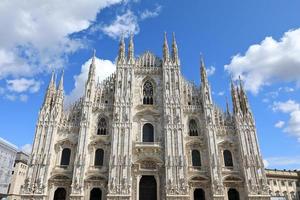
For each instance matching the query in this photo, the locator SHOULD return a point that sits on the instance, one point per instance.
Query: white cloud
(23, 85)
(104, 68)
(268, 62)
(123, 24)
(279, 124)
(221, 93)
(10, 97)
(293, 109)
(210, 70)
(36, 34)
(286, 107)
(150, 14)
(23, 97)
(283, 161)
(26, 148)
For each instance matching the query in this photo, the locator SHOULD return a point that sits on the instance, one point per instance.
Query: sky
(254, 39)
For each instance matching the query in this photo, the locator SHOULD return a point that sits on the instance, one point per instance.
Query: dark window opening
(196, 158)
(148, 93)
(233, 194)
(99, 154)
(102, 127)
(148, 188)
(96, 194)
(228, 158)
(193, 128)
(199, 194)
(65, 156)
(148, 133)
(60, 194)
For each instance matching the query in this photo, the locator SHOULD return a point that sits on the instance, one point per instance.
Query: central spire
(92, 70)
(174, 50)
(131, 49)
(203, 70)
(121, 57)
(166, 49)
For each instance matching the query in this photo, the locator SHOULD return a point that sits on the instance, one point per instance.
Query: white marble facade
(145, 133)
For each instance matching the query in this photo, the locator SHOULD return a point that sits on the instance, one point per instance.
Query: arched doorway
(233, 194)
(60, 194)
(199, 194)
(147, 189)
(96, 194)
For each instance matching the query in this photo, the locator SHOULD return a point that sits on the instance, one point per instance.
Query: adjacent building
(8, 153)
(18, 176)
(283, 184)
(145, 133)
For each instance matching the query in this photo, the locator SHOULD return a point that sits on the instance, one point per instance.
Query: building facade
(18, 176)
(7, 158)
(283, 184)
(145, 133)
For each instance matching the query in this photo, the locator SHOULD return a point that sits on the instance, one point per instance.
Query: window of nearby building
(148, 133)
(102, 127)
(196, 158)
(99, 154)
(148, 93)
(65, 156)
(193, 128)
(228, 158)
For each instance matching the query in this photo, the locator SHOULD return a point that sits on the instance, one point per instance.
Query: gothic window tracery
(148, 93)
(193, 128)
(65, 157)
(99, 154)
(228, 158)
(196, 158)
(102, 127)
(148, 133)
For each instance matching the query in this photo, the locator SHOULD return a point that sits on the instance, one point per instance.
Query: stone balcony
(145, 150)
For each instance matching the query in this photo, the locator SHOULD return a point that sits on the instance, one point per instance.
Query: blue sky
(258, 40)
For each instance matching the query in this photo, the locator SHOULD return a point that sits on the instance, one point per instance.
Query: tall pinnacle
(203, 70)
(174, 50)
(121, 57)
(131, 49)
(61, 82)
(92, 70)
(166, 49)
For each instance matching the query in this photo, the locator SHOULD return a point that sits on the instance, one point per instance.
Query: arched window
(148, 133)
(199, 194)
(193, 128)
(148, 93)
(60, 194)
(65, 156)
(233, 194)
(228, 158)
(196, 158)
(96, 194)
(102, 127)
(99, 154)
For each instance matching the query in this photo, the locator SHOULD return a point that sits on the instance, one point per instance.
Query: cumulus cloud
(268, 62)
(293, 109)
(210, 70)
(104, 68)
(150, 14)
(279, 124)
(123, 24)
(26, 148)
(23, 85)
(36, 34)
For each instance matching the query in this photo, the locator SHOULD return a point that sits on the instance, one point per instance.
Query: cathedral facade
(145, 133)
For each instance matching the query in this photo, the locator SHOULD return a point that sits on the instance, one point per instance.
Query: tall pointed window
(148, 93)
(102, 127)
(196, 158)
(99, 154)
(228, 158)
(193, 128)
(65, 157)
(148, 133)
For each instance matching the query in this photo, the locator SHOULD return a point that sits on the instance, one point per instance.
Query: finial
(165, 48)
(174, 50)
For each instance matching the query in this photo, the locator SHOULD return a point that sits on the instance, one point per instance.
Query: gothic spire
(174, 50)
(166, 49)
(50, 90)
(243, 98)
(203, 71)
(92, 70)
(121, 57)
(61, 82)
(131, 49)
(234, 97)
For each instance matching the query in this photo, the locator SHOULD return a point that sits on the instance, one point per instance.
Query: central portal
(148, 188)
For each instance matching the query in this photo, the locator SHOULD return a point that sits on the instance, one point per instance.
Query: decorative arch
(148, 92)
(193, 127)
(102, 126)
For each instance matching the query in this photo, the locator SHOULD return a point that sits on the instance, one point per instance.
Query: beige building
(284, 184)
(18, 176)
(145, 133)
